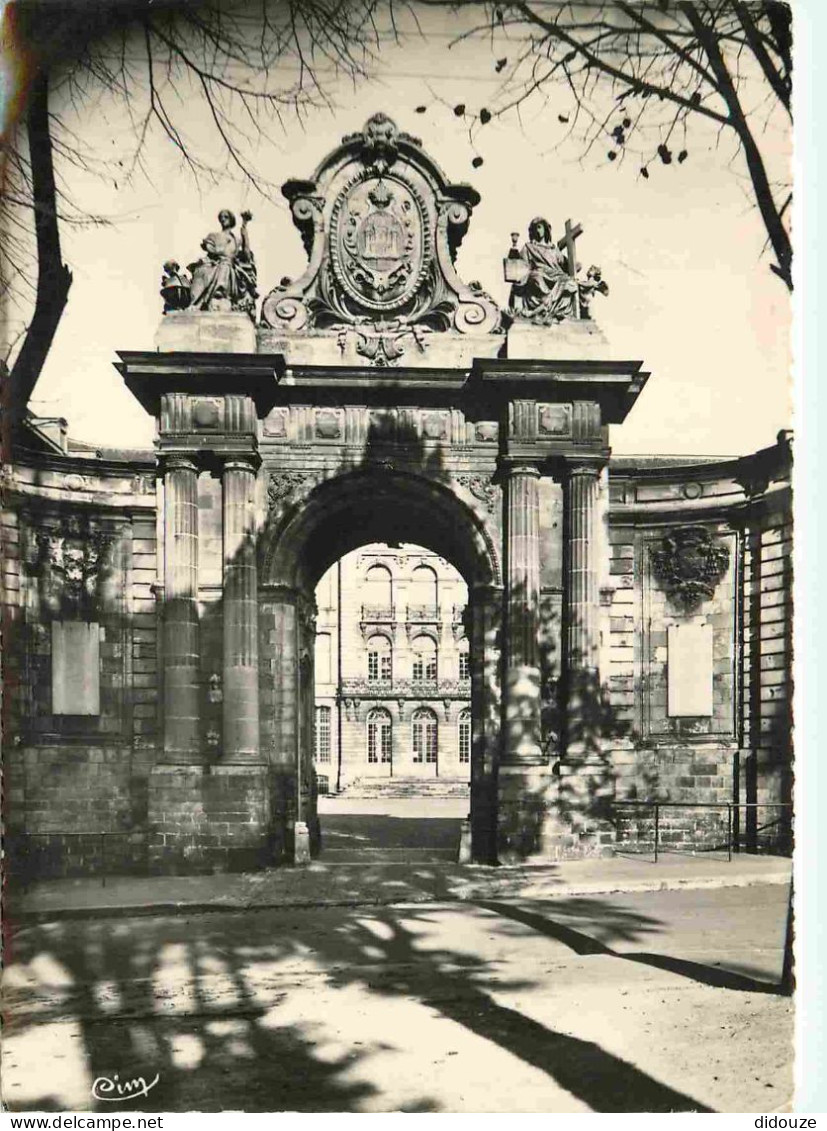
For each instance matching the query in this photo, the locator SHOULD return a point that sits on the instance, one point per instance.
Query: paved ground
(661, 1001)
(389, 851)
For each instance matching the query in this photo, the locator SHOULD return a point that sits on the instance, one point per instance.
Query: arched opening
(424, 659)
(379, 659)
(379, 745)
(413, 624)
(379, 588)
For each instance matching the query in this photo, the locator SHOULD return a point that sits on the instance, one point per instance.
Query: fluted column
(582, 609)
(181, 653)
(522, 672)
(241, 701)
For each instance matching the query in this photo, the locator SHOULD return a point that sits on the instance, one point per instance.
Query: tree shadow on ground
(583, 944)
(208, 1003)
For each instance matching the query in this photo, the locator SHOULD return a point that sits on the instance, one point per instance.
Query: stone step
(388, 855)
(406, 787)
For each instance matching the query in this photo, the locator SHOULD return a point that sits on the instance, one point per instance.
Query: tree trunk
(53, 276)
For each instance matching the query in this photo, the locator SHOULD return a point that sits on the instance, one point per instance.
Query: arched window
(379, 735)
(464, 737)
(379, 587)
(424, 587)
(380, 659)
(424, 658)
(323, 734)
(464, 663)
(424, 735)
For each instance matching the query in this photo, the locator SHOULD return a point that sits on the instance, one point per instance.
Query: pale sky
(691, 295)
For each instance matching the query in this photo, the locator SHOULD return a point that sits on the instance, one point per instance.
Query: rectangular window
(424, 667)
(424, 740)
(75, 668)
(464, 665)
(386, 743)
(323, 715)
(373, 666)
(385, 666)
(465, 741)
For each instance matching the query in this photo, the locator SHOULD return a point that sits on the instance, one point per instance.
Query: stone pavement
(375, 883)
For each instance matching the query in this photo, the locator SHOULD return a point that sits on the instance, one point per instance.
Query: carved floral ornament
(482, 489)
(689, 563)
(287, 487)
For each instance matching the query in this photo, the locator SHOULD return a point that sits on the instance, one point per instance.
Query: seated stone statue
(225, 278)
(548, 293)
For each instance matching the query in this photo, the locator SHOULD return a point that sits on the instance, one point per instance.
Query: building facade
(627, 622)
(392, 670)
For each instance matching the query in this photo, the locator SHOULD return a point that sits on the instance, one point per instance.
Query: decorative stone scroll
(689, 563)
(381, 227)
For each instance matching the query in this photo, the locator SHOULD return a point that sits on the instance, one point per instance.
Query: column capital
(240, 461)
(179, 461)
(512, 467)
(584, 466)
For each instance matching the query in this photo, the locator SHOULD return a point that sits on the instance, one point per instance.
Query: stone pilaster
(522, 672)
(241, 676)
(182, 740)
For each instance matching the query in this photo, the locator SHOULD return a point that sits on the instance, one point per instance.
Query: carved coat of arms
(378, 242)
(689, 563)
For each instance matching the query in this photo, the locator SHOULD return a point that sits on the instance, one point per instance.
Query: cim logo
(111, 1089)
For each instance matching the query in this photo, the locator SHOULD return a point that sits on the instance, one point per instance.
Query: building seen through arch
(393, 683)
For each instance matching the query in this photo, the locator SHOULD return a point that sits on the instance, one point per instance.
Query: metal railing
(409, 688)
(731, 807)
(378, 613)
(424, 613)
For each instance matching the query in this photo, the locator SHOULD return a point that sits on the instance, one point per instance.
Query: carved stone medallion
(379, 241)
(689, 563)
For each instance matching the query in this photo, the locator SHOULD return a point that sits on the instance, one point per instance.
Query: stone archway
(370, 504)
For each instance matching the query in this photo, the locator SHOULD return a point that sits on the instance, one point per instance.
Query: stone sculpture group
(377, 255)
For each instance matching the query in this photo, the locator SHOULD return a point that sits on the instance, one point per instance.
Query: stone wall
(80, 543)
(79, 548)
(209, 819)
(740, 752)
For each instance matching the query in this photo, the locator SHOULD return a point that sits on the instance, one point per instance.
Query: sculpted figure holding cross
(545, 288)
(549, 292)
